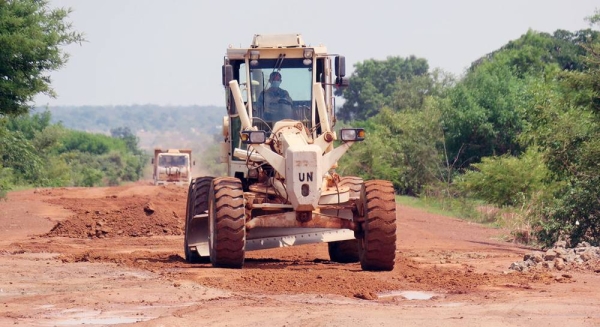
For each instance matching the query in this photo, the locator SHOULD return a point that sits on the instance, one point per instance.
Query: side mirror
(342, 81)
(227, 72)
(340, 66)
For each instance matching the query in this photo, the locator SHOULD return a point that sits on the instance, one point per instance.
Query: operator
(275, 102)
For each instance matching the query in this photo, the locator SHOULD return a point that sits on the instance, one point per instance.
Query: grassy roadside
(451, 208)
(510, 219)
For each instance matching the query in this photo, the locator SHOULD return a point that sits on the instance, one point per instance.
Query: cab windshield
(173, 160)
(280, 90)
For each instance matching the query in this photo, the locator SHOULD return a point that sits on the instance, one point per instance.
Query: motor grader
(281, 187)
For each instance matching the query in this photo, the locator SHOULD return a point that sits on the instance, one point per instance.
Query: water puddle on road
(409, 295)
(71, 317)
(99, 321)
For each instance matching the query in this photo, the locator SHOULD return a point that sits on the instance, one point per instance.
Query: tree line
(34, 151)
(520, 130)
(146, 117)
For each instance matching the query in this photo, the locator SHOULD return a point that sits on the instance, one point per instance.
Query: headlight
(352, 134)
(253, 137)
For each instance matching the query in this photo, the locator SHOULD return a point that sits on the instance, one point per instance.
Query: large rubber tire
(347, 251)
(343, 251)
(377, 246)
(227, 223)
(354, 183)
(197, 203)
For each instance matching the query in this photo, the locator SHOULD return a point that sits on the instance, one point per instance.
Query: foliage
(569, 133)
(19, 154)
(6, 183)
(574, 216)
(506, 180)
(479, 114)
(125, 134)
(31, 37)
(533, 52)
(404, 142)
(483, 114)
(401, 147)
(369, 159)
(561, 115)
(570, 48)
(525, 119)
(34, 152)
(28, 125)
(97, 144)
(374, 83)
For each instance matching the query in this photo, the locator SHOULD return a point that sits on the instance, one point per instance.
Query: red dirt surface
(114, 256)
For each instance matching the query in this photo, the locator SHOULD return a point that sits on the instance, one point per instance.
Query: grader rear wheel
(347, 251)
(197, 204)
(227, 225)
(377, 246)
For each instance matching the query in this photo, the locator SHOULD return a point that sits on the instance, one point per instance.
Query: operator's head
(275, 79)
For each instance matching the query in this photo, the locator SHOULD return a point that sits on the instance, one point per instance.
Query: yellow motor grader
(279, 145)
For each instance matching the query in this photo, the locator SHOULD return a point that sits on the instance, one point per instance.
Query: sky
(171, 52)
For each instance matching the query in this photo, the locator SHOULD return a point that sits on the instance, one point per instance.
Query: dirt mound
(123, 215)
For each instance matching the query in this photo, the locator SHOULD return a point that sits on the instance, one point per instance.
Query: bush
(575, 215)
(506, 180)
(401, 147)
(6, 181)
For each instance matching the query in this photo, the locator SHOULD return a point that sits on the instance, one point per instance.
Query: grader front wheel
(347, 251)
(197, 204)
(377, 245)
(227, 229)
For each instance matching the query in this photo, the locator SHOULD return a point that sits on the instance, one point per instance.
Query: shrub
(506, 180)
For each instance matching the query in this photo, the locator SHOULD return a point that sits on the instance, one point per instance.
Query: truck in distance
(172, 166)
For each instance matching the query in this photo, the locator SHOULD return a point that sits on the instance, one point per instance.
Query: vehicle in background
(172, 166)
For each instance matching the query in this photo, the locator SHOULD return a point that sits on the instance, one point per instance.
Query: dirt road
(114, 256)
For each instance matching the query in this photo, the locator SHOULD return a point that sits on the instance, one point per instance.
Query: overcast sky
(171, 52)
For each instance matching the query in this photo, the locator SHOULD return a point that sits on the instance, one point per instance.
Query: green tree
(31, 37)
(34, 152)
(487, 111)
(506, 180)
(29, 125)
(534, 51)
(130, 139)
(563, 115)
(19, 154)
(480, 115)
(402, 147)
(97, 144)
(374, 84)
